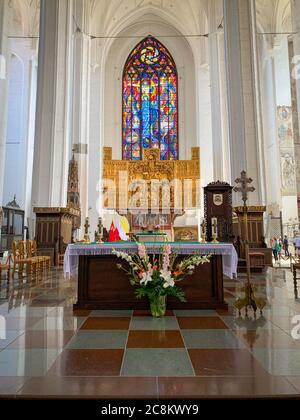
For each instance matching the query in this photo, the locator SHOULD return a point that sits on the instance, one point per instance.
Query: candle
(214, 226)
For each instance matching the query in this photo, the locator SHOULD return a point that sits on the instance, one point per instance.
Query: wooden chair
(43, 260)
(20, 259)
(257, 260)
(61, 259)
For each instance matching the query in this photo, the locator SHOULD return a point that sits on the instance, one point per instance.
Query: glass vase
(158, 306)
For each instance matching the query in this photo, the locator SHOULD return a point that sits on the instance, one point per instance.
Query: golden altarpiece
(178, 179)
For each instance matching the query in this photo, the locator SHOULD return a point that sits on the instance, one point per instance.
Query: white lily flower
(146, 278)
(169, 281)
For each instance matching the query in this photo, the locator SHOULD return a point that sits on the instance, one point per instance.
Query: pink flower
(166, 257)
(150, 269)
(167, 249)
(142, 251)
(166, 263)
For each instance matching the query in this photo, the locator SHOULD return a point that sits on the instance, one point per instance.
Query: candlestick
(203, 232)
(214, 228)
(86, 231)
(100, 231)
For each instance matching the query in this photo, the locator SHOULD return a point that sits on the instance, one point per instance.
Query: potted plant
(158, 277)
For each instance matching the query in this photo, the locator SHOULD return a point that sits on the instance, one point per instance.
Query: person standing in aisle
(286, 246)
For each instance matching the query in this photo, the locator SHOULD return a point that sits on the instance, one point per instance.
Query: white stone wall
(21, 114)
(229, 87)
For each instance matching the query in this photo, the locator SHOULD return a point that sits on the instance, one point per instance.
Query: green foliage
(151, 292)
(154, 276)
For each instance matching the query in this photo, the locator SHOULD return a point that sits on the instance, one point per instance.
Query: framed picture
(138, 220)
(164, 220)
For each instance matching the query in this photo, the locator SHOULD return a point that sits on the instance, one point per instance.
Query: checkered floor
(49, 350)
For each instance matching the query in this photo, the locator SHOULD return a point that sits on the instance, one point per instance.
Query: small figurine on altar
(86, 231)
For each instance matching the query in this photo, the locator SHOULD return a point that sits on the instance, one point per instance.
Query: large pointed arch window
(150, 101)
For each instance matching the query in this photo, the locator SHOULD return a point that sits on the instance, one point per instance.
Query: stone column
(295, 12)
(5, 17)
(240, 56)
(51, 151)
(269, 122)
(221, 156)
(81, 103)
(95, 144)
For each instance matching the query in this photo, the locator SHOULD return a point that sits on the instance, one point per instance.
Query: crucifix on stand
(86, 231)
(249, 301)
(100, 231)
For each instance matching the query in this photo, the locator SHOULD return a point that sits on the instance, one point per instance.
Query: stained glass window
(150, 102)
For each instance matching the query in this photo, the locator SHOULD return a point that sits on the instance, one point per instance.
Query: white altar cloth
(228, 252)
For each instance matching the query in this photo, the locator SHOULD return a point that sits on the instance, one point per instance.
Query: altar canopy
(227, 251)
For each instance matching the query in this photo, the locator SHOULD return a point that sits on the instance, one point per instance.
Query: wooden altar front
(102, 286)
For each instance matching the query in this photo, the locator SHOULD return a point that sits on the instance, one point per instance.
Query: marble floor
(47, 350)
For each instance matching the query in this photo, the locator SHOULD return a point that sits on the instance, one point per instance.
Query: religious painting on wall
(139, 220)
(285, 126)
(288, 173)
(150, 102)
(287, 152)
(142, 220)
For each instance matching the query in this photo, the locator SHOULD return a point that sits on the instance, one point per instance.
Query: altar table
(102, 286)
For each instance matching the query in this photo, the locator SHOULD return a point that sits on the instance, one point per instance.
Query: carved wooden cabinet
(218, 204)
(255, 224)
(54, 226)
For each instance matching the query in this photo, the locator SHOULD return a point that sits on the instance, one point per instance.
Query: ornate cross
(100, 225)
(249, 300)
(86, 226)
(244, 188)
(215, 225)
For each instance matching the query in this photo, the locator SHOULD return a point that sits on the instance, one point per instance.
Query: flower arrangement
(157, 277)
